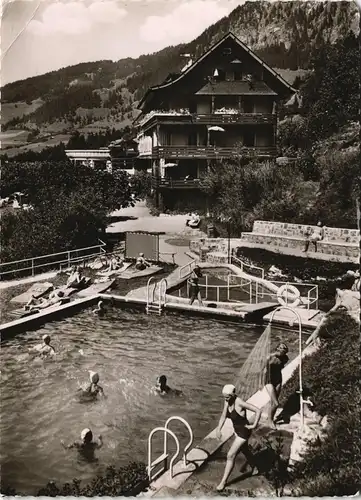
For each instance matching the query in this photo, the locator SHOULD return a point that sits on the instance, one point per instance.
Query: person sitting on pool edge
(45, 349)
(75, 279)
(163, 389)
(195, 292)
(85, 445)
(116, 262)
(100, 309)
(141, 263)
(91, 391)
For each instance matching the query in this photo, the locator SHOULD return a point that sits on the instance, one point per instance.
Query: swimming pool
(128, 349)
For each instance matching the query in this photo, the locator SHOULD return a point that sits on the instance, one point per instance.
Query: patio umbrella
(215, 128)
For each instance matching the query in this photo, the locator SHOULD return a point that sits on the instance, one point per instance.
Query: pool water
(129, 349)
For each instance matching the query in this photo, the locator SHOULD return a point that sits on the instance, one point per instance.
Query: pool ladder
(163, 458)
(156, 306)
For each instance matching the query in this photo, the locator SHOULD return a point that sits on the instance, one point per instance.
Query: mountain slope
(104, 93)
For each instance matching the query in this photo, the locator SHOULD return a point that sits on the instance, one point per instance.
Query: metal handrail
(187, 447)
(162, 293)
(244, 264)
(189, 264)
(68, 259)
(151, 464)
(148, 290)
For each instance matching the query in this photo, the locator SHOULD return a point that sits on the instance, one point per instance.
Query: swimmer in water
(162, 388)
(45, 349)
(86, 446)
(92, 390)
(100, 310)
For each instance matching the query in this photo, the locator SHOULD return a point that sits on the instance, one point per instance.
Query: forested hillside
(104, 93)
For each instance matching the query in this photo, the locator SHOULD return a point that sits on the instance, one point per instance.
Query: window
(238, 74)
(168, 138)
(248, 138)
(248, 106)
(192, 139)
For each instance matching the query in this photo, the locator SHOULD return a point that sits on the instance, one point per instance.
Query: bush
(333, 467)
(125, 481)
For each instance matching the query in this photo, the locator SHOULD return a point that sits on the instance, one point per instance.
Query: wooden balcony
(210, 152)
(167, 183)
(208, 119)
(235, 119)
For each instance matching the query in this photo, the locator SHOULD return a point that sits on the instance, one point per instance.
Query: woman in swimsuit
(273, 376)
(235, 409)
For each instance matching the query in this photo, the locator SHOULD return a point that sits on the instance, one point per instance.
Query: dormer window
(227, 51)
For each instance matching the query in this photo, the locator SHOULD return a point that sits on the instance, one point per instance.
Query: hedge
(125, 481)
(332, 374)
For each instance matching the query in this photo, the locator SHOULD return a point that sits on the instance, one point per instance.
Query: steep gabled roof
(233, 37)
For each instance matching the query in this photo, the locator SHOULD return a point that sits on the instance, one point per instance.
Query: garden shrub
(125, 481)
(332, 373)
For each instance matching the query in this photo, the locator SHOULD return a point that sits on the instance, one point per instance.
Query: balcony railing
(211, 152)
(207, 118)
(235, 119)
(158, 182)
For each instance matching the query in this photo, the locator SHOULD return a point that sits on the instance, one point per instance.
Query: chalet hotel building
(222, 105)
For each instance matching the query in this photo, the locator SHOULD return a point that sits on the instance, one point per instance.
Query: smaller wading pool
(129, 349)
(214, 286)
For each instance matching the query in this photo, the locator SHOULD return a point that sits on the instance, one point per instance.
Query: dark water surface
(129, 350)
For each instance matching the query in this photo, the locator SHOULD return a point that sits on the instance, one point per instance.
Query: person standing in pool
(273, 379)
(44, 350)
(162, 388)
(235, 409)
(86, 445)
(195, 292)
(91, 390)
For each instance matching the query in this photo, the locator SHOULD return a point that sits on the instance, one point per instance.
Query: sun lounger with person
(141, 263)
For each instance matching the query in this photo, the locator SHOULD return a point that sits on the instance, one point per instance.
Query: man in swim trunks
(316, 235)
(141, 263)
(235, 409)
(195, 292)
(54, 298)
(273, 379)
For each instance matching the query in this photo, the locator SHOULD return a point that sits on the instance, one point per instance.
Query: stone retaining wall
(325, 247)
(332, 234)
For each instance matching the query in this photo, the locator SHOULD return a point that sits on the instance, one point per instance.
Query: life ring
(292, 292)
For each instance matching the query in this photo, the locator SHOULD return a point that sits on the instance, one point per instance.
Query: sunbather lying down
(115, 263)
(55, 297)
